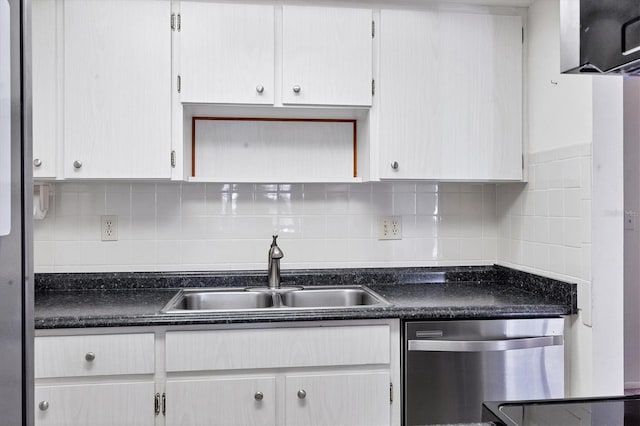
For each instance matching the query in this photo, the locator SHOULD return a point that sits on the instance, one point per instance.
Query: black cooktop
(614, 411)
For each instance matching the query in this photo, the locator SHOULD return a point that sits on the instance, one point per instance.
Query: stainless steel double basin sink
(200, 300)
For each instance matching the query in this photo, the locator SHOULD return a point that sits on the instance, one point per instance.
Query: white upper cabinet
(117, 89)
(227, 53)
(45, 86)
(326, 56)
(264, 54)
(450, 89)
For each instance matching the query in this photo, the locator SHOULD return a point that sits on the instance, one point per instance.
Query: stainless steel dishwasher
(451, 367)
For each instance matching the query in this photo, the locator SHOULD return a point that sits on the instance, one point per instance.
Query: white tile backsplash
(542, 226)
(556, 202)
(555, 234)
(196, 226)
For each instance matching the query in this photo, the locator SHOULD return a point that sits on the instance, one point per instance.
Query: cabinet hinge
(173, 159)
(175, 22)
(373, 87)
(390, 392)
(179, 83)
(164, 404)
(179, 25)
(156, 404)
(373, 29)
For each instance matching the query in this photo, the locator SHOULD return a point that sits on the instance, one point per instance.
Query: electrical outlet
(390, 227)
(109, 227)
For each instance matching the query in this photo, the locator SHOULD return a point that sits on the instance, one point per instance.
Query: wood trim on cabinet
(193, 147)
(310, 120)
(355, 150)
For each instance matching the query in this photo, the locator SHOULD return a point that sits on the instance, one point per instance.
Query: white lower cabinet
(344, 398)
(337, 399)
(95, 380)
(317, 375)
(96, 404)
(324, 373)
(230, 401)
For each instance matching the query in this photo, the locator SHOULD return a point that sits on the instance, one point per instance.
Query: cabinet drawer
(274, 348)
(68, 356)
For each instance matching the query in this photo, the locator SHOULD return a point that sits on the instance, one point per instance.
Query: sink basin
(264, 299)
(213, 300)
(329, 297)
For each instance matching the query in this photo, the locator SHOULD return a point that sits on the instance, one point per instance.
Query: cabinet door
(450, 89)
(45, 87)
(326, 55)
(117, 89)
(338, 399)
(227, 53)
(241, 401)
(109, 404)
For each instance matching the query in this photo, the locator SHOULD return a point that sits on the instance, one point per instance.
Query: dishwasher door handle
(483, 345)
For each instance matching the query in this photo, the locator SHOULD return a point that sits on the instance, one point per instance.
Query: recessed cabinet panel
(338, 399)
(450, 96)
(227, 53)
(278, 348)
(326, 56)
(274, 150)
(45, 78)
(104, 404)
(232, 401)
(117, 89)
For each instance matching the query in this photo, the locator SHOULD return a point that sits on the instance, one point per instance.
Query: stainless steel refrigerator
(16, 270)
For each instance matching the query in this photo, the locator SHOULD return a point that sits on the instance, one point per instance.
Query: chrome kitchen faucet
(275, 254)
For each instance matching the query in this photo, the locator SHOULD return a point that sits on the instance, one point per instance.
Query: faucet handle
(274, 250)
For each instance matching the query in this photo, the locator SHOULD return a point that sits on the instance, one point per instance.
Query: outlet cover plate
(390, 227)
(109, 227)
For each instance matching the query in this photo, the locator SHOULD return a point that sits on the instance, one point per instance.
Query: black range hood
(600, 36)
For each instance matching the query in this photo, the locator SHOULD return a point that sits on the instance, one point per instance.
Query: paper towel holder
(40, 200)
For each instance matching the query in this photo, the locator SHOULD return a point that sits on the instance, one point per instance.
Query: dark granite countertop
(135, 299)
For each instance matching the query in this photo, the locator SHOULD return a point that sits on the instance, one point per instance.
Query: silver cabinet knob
(77, 164)
(394, 165)
(259, 88)
(296, 89)
(90, 356)
(44, 405)
(302, 394)
(258, 396)
(37, 162)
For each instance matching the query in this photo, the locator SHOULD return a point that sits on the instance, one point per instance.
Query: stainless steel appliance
(600, 36)
(451, 367)
(607, 411)
(16, 285)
